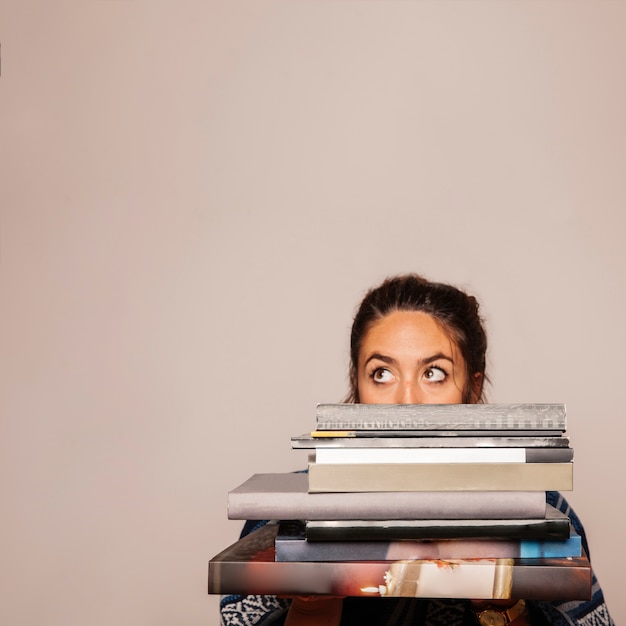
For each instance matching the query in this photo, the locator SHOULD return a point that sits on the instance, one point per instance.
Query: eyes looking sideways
(406, 357)
(435, 374)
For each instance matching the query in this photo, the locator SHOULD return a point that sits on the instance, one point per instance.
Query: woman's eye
(382, 375)
(435, 375)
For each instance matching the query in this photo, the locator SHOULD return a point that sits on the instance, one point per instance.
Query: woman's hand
(314, 611)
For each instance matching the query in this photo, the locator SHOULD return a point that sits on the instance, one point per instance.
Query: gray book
(285, 496)
(510, 417)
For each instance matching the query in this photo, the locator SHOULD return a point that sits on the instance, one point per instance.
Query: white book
(420, 455)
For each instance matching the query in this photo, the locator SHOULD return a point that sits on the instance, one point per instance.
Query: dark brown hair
(455, 310)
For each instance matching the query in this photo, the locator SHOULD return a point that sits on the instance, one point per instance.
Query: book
(441, 417)
(292, 545)
(323, 434)
(249, 567)
(553, 525)
(336, 477)
(286, 496)
(443, 455)
(379, 439)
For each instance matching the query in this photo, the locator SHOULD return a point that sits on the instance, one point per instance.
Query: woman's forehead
(408, 331)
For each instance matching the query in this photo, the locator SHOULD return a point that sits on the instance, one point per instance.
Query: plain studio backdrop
(195, 195)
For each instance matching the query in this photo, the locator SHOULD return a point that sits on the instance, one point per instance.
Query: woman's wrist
(500, 613)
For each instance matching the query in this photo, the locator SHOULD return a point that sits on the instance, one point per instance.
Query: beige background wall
(194, 195)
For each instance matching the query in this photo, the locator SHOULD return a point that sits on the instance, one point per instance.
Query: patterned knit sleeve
(239, 610)
(592, 612)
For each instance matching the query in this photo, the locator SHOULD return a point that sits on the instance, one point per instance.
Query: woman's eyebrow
(425, 361)
(435, 357)
(380, 357)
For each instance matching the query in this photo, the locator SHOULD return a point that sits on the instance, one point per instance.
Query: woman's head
(416, 341)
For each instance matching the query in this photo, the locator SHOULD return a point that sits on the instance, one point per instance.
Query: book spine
(330, 439)
(449, 434)
(441, 417)
(570, 580)
(443, 455)
(249, 567)
(293, 546)
(388, 505)
(284, 495)
(440, 477)
(360, 530)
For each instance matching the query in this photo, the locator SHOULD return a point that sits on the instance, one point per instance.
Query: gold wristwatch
(499, 616)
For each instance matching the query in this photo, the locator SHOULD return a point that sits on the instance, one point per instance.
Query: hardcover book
(443, 455)
(406, 433)
(285, 496)
(249, 567)
(380, 439)
(441, 417)
(553, 525)
(293, 545)
(338, 477)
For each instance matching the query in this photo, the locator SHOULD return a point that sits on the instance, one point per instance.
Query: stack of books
(417, 501)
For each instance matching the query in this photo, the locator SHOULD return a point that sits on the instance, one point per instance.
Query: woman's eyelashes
(381, 375)
(435, 374)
